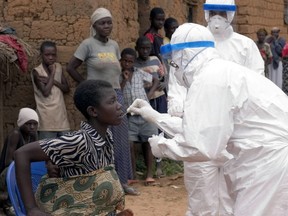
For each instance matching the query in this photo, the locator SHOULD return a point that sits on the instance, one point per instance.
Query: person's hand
(153, 141)
(175, 109)
(143, 108)
(52, 68)
(43, 79)
(37, 212)
(125, 74)
(161, 86)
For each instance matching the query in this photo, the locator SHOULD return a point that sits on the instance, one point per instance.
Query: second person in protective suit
(227, 108)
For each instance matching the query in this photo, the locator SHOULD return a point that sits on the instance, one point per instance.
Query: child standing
(132, 83)
(25, 133)
(89, 184)
(49, 84)
(152, 65)
(170, 25)
(157, 18)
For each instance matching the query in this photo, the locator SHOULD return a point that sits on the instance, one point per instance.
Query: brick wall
(67, 23)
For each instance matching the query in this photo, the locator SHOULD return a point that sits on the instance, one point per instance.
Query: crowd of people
(198, 95)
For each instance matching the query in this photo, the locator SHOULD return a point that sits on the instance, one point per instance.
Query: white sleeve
(254, 60)
(206, 128)
(176, 93)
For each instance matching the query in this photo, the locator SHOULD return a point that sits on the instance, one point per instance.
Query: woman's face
(103, 27)
(109, 111)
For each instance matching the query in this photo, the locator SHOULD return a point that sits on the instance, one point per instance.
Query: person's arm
(126, 76)
(72, 66)
(155, 84)
(206, 127)
(23, 157)
(63, 85)
(45, 84)
(254, 60)
(176, 95)
(12, 142)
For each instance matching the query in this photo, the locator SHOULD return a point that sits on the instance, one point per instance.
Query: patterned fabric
(122, 154)
(135, 88)
(97, 193)
(285, 75)
(80, 152)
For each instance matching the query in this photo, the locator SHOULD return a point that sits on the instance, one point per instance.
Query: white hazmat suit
(227, 107)
(234, 47)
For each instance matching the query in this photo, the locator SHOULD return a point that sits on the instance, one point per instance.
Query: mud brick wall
(67, 23)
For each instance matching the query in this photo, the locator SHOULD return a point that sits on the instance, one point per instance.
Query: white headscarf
(98, 14)
(25, 115)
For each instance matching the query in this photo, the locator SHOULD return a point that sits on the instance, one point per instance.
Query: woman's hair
(129, 51)
(90, 93)
(155, 11)
(262, 30)
(141, 40)
(168, 22)
(47, 44)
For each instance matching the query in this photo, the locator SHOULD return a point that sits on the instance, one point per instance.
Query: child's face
(127, 62)
(109, 111)
(49, 55)
(158, 21)
(171, 29)
(103, 27)
(144, 49)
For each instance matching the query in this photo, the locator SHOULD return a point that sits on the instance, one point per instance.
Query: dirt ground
(167, 197)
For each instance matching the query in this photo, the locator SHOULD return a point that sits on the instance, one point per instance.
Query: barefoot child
(132, 83)
(84, 157)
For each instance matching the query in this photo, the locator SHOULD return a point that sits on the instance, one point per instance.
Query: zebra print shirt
(80, 152)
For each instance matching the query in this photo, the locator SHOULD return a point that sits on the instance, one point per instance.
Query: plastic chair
(38, 169)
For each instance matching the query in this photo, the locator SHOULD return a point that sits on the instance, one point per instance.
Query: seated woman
(88, 183)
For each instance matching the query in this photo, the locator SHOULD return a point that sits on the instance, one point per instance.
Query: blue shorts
(139, 129)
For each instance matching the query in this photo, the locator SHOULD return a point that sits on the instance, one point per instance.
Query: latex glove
(175, 109)
(143, 108)
(155, 147)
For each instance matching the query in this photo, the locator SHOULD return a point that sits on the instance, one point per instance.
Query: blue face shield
(167, 53)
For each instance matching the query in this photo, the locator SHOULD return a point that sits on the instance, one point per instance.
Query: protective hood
(220, 5)
(190, 46)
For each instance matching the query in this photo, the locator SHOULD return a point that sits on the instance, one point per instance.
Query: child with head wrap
(101, 55)
(25, 133)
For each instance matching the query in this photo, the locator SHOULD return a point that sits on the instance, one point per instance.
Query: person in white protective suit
(227, 107)
(237, 48)
(232, 46)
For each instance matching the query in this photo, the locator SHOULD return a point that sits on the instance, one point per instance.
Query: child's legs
(148, 158)
(133, 158)
(146, 131)
(133, 133)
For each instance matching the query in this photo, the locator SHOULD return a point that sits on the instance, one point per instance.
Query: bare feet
(149, 181)
(126, 212)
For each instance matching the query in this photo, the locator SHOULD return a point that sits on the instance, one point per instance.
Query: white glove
(155, 148)
(143, 108)
(175, 109)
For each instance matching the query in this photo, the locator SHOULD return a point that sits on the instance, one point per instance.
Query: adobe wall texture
(67, 23)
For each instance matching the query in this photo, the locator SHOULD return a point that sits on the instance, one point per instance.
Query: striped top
(80, 152)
